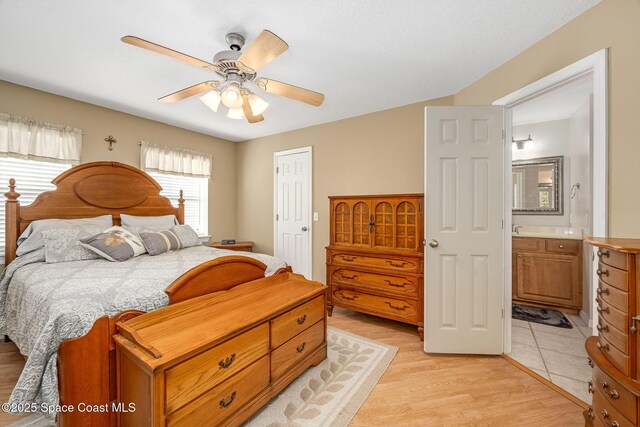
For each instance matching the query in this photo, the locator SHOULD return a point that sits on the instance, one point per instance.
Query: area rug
(545, 316)
(329, 394)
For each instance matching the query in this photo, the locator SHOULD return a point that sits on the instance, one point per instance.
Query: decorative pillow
(63, 244)
(158, 242)
(114, 244)
(187, 236)
(147, 221)
(31, 239)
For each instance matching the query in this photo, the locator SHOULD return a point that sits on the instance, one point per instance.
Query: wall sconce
(520, 142)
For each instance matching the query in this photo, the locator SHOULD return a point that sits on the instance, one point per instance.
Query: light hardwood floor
(419, 389)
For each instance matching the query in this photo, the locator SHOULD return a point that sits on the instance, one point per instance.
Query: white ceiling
(364, 56)
(560, 103)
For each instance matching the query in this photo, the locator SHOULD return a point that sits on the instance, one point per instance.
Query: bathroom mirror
(537, 186)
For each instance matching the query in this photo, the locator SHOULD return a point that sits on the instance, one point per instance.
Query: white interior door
(292, 228)
(464, 189)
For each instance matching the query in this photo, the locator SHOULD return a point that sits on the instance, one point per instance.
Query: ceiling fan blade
(248, 112)
(264, 49)
(190, 91)
(290, 91)
(145, 44)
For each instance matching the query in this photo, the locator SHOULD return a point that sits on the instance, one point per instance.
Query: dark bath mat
(545, 316)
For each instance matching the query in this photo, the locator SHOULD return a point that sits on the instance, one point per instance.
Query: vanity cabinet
(547, 272)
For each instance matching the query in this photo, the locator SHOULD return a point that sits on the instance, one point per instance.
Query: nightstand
(237, 246)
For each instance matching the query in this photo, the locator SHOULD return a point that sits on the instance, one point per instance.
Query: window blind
(195, 194)
(32, 178)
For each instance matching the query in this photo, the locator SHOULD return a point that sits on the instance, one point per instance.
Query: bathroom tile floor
(556, 354)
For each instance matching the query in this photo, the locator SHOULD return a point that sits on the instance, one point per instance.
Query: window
(32, 178)
(195, 194)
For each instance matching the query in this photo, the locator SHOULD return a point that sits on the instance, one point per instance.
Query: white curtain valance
(175, 161)
(22, 138)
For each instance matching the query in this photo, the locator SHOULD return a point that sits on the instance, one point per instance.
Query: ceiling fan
(238, 71)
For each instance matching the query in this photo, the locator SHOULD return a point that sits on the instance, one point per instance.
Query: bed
(84, 369)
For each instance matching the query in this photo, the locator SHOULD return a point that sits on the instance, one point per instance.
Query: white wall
(580, 143)
(549, 139)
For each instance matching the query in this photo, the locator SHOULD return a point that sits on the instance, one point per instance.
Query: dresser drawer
(615, 356)
(527, 244)
(613, 296)
(396, 308)
(607, 413)
(616, 318)
(295, 349)
(613, 258)
(403, 285)
(391, 263)
(563, 246)
(190, 379)
(613, 276)
(619, 397)
(296, 320)
(219, 403)
(614, 336)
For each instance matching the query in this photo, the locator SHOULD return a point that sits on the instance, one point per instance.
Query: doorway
(561, 116)
(292, 202)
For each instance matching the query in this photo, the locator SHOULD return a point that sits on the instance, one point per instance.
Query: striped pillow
(158, 242)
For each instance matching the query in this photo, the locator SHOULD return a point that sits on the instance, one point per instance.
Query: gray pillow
(63, 245)
(158, 242)
(187, 236)
(31, 239)
(147, 221)
(114, 244)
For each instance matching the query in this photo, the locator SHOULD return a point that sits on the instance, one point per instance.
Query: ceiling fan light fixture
(231, 97)
(211, 100)
(235, 113)
(258, 105)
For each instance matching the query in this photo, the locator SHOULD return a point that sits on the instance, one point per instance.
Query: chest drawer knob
(224, 364)
(602, 310)
(602, 273)
(601, 328)
(633, 328)
(602, 253)
(301, 319)
(561, 246)
(605, 415)
(224, 403)
(300, 348)
(601, 291)
(602, 348)
(590, 386)
(614, 394)
(591, 414)
(590, 362)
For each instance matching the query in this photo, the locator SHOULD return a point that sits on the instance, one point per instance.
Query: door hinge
(504, 135)
(277, 217)
(424, 242)
(503, 313)
(503, 224)
(277, 169)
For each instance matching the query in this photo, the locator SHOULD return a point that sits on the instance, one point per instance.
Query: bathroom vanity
(547, 271)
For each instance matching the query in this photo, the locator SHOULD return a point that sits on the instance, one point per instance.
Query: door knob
(433, 243)
(304, 228)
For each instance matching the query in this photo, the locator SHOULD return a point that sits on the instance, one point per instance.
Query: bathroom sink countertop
(549, 232)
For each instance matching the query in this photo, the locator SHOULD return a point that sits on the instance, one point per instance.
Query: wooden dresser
(548, 272)
(614, 354)
(375, 259)
(217, 359)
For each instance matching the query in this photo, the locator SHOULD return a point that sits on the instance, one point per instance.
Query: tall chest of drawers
(375, 259)
(614, 354)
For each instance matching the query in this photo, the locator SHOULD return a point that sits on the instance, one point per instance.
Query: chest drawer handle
(601, 328)
(301, 319)
(613, 394)
(396, 285)
(590, 362)
(602, 348)
(605, 415)
(601, 254)
(300, 348)
(602, 310)
(396, 264)
(346, 276)
(591, 414)
(349, 298)
(224, 403)
(224, 364)
(397, 307)
(600, 291)
(590, 387)
(348, 258)
(602, 273)
(633, 328)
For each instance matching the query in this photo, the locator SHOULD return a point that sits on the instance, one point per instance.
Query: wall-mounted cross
(111, 140)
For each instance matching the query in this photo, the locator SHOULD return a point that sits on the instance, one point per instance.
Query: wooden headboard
(88, 190)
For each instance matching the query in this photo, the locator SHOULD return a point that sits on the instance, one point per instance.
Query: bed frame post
(12, 210)
(181, 209)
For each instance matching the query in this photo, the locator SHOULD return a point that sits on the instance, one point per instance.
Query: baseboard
(586, 318)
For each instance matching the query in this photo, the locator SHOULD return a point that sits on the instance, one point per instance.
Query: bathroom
(552, 212)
